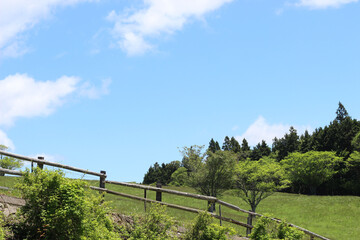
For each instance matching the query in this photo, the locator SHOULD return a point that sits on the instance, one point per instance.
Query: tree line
(326, 161)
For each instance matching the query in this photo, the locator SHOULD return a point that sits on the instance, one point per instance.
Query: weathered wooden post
(249, 222)
(211, 206)
(220, 214)
(102, 179)
(158, 193)
(145, 200)
(40, 165)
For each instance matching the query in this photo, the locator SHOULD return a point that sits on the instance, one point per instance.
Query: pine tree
(226, 145)
(235, 146)
(305, 142)
(341, 113)
(212, 146)
(245, 146)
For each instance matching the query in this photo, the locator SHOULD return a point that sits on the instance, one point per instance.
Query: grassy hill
(335, 217)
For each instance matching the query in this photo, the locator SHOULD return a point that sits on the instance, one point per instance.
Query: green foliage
(204, 229)
(288, 144)
(213, 146)
(353, 174)
(260, 150)
(305, 142)
(341, 113)
(58, 208)
(256, 180)
(179, 177)
(356, 142)
(155, 225)
(9, 162)
(2, 227)
(215, 174)
(267, 229)
(161, 173)
(245, 145)
(227, 144)
(312, 168)
(192, 157)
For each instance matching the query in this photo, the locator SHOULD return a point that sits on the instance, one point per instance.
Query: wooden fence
(102, 181)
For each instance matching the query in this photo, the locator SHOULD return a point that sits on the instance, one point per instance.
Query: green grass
(335, 217)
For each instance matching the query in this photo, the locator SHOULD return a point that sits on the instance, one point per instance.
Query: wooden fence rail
(158, 190)
(53, 164)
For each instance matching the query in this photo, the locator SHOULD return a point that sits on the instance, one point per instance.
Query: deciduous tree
(256, 180)
(215, 174)
(311, 169)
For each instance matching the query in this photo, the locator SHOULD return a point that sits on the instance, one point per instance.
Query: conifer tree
(227, 144)
(245, 145)
(341, 113)
(235, 146)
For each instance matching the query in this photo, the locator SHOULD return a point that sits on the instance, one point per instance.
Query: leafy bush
(204, 229)
(59, 208)
(154, 225)
(267, 229)
(179, 177)
(2, 229)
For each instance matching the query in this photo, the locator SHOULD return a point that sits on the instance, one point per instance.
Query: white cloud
(321, 4)
(17, 16)
(261, 130)
(4, 140)
(158, 17)
(22, 96)
(90, 91)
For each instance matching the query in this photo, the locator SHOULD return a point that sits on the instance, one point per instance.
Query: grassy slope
(335, 217)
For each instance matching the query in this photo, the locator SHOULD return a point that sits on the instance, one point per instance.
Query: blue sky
(118, 85)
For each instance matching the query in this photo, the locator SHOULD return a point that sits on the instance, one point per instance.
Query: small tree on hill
(256, 180)
(311, 169)
(192, 157)
(215, 174)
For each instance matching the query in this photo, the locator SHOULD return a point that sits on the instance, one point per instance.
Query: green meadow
(335, 217)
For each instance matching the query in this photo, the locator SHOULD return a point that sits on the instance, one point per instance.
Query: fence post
(249, 221)
(220, 214)
(211, 206)
(102, 179)
(40, 165)
(158, 194)
(145, 200)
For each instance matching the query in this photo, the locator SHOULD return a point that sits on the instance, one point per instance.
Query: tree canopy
(311, 169)
(256, 180)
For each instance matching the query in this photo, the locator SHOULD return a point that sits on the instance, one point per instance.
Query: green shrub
(154, 225)
(267, 229)
(59, 208)
(2, 228)
(204, 229)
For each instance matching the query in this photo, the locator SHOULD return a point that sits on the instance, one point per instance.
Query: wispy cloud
(21, 96)
(91, 91)
(322, 4)
(262, 130)
(18, 16)
(158, 17)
